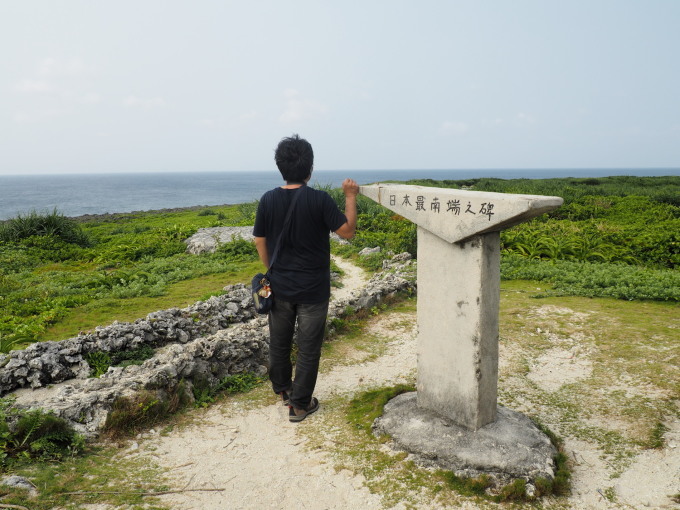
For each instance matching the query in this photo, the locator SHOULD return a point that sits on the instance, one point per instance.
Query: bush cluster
(35, 434)
(591, 279)
(51, 224)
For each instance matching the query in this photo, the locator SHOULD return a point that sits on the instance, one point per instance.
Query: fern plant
(35, 434)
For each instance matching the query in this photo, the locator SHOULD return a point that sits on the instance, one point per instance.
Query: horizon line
(486, 169)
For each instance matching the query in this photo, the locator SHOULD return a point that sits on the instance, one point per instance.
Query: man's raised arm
(351, 189)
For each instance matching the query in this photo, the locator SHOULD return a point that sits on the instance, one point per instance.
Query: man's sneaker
(296, 415)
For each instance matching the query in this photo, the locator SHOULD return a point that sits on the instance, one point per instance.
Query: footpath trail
(259, 457)
(246, 446)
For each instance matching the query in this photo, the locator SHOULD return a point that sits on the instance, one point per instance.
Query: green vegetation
(367, 406)
(100, 361)
(104, 476)
(44, 225)
(613, 237)
(590, 279)
(34, 434)
(205, 394)
(66, 471)
(53, 268)
(627, 352)
(144, 409)
(635, 220)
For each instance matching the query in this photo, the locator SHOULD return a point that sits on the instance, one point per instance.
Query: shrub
(100, 361)
(35, 434)
(205, 393)
(50, 224)
(238, 250)
(131, 414)
(239, 383)
(590, 279)
(246, 212)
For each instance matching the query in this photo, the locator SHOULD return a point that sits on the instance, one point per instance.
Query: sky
(213, 85)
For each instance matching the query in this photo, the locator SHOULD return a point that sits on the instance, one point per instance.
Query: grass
(105, 475)
(632, 352)
(180, 295)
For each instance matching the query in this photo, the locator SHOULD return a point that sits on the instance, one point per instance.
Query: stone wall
(46, 363)
(206, 341)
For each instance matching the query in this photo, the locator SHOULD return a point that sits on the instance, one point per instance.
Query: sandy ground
(260, 458)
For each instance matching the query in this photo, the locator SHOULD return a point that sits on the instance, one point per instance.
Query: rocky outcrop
(206, 341)
(206, 240)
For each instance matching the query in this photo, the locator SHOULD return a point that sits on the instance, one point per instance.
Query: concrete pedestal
(511, 447)
(458, 303)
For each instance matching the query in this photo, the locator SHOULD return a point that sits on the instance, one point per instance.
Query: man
(300, 276)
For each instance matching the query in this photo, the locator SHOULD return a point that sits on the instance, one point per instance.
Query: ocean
(80, 194)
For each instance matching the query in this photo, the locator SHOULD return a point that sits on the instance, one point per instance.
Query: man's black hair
(294, 157)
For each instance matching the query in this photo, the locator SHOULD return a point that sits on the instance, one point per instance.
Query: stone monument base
(511, 447)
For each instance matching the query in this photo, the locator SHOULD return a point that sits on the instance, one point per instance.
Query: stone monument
(458, 309)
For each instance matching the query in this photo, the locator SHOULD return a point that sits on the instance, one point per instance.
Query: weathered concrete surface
(458, 303)
(509, 448)
(459, 290)
(456, 215)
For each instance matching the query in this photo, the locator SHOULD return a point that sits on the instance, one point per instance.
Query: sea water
(79, 194)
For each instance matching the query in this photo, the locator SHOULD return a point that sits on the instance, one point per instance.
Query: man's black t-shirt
(301, 272)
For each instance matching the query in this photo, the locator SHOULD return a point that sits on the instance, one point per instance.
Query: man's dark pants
(311, 320)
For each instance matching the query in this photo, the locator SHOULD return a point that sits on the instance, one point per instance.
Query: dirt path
(257, 455)
(250, 449)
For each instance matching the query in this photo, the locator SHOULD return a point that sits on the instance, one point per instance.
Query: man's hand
(350, 187)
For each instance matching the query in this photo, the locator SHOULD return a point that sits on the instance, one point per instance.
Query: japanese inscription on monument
(454, 214)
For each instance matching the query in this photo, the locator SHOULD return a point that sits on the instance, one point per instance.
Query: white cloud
(455, 128)
(525, 118)
(495, 122)
(22, 118)
(91, 98)
(146, 104)
(208, 122)
(39, 115)
(54, 67)
(29, 85)
(60, 77)
(297, 109)
(252, 114)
